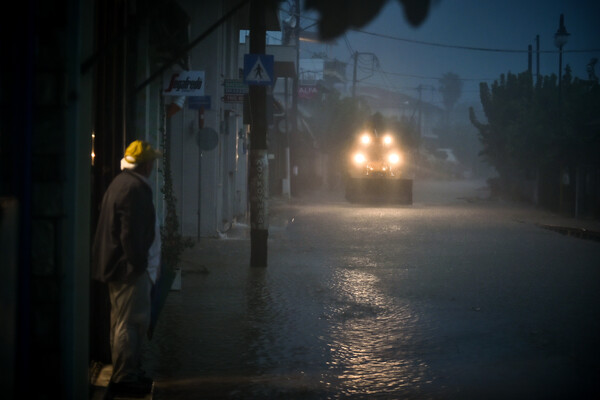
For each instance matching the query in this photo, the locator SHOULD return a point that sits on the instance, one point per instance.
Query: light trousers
(129, 322)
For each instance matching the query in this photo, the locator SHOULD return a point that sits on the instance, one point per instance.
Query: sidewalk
(477, 193)
(583, 228)
(99, 386)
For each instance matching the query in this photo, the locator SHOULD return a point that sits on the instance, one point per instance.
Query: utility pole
(420, 89)
(529, 66)
(258, 174)
(295, 81)
(294, 127)
(355, 55)
(374, 61)
(537, 58)
(560, 39)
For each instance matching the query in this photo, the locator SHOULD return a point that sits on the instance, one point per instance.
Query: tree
(527, 132)
(578, 142)
(513, 139)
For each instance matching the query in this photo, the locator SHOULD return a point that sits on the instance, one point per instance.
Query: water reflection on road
(317, 323)
(369, 334)
(442, 301)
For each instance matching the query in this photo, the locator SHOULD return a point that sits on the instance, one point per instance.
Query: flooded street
(454, 297)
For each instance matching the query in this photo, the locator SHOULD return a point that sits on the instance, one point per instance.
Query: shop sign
(184, 83)
(307, 92)
(234, 91)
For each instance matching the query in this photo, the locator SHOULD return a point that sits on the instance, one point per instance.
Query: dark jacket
(125, 230)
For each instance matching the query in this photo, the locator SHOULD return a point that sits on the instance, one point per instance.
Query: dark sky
(489, 24)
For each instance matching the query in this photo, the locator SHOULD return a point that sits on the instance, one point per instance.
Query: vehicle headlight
(387, 139)
(395, 158)
(359, 158)
(365, 138)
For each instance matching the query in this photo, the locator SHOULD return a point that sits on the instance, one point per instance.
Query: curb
(580, 233)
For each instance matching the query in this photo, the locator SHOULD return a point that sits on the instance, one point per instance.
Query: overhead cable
(461, 47)
(467, 47)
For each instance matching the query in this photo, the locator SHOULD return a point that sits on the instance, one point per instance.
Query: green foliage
(580, 108)
(528, 128)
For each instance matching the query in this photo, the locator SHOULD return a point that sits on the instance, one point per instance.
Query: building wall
(206, 182)
(48, 117)
(147, 118)
(45, 153)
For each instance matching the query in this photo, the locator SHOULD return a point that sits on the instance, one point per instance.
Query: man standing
(124, 257)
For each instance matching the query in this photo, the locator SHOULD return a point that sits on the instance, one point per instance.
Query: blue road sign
(258, 69)
(195, 102)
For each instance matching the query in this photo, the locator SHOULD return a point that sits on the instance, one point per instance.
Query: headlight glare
(359, 158)
(395, 158)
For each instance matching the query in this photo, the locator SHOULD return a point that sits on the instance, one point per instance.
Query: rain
(390, 199)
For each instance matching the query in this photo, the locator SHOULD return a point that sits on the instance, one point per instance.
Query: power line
(438, 77)
(348, 46)
(386, 73)
(381, 35)
(386, 78)
(461, 47)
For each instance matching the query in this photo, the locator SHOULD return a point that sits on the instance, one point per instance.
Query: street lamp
(560, 39)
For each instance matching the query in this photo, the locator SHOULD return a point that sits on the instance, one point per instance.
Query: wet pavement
(454, 297)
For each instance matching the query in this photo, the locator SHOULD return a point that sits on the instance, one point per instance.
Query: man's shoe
(131, 389)
(145, 380)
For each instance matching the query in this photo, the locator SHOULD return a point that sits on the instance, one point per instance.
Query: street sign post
(234, 90)
(258, 69)
(258, 73)
(197, 102)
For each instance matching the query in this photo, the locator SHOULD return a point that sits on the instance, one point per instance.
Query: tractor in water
(377, 170)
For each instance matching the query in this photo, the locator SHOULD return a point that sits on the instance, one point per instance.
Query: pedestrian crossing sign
(258, 69)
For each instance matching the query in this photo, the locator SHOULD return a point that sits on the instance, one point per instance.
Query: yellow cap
(140, 151)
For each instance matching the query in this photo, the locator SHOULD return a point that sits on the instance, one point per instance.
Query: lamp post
(560, 39)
